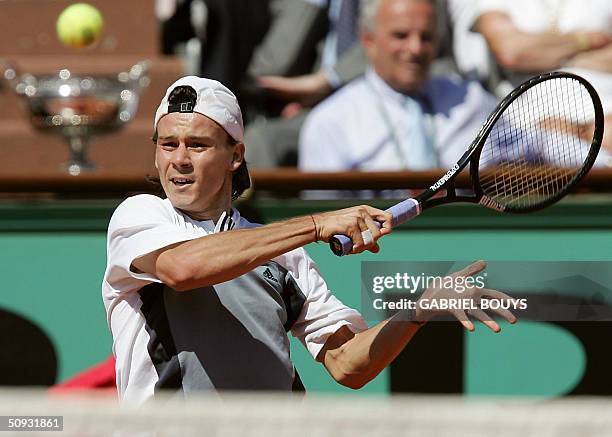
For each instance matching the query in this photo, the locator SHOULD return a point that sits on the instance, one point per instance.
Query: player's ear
(237, 156)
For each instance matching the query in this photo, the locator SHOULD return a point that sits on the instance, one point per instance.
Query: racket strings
(510, 183)
(538, 145)
(514, 173)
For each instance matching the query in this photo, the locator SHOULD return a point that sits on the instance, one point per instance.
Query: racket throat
(451, 191)
(492, 204)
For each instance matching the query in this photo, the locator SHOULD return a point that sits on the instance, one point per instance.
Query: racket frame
(426, 199)
(472, 155)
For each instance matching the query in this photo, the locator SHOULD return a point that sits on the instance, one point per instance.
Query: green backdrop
(53, 257)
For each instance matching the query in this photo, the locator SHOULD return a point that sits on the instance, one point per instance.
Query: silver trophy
(79, 107)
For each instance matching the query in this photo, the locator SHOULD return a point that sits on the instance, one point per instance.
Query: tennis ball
(79, 25)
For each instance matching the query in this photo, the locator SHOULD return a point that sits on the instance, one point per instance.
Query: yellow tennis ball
(79, 25)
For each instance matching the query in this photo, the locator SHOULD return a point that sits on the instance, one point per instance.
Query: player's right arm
(526, 52)
(219, 257)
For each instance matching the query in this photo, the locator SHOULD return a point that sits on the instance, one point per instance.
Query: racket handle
(402, 212)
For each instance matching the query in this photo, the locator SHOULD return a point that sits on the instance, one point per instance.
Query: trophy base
(76, 168)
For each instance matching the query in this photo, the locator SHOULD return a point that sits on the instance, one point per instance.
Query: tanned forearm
(536, 52)
(355, 359)
(528, 52)
(361, 358)
(219, 257)
(223, 256)
(599, 60)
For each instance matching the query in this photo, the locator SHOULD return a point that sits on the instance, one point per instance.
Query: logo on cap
(182, 107)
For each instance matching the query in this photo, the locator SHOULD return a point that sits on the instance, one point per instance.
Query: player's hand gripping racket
(532, 150)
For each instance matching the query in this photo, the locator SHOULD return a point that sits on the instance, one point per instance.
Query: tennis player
(198, 298)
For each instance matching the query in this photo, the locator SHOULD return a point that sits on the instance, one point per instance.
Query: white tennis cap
(214, 100)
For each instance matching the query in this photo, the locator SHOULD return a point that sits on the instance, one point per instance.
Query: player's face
(402, 44)
(195, 161)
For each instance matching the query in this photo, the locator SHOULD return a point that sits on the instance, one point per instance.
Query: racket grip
(402, 212)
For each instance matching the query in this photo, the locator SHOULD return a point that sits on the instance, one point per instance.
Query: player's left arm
(355, 359)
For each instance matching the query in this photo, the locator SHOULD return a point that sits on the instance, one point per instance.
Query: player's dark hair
(183, 94)
(241, 181)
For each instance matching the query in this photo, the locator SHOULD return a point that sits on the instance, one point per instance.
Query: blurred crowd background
(337, 85)
(325, 85)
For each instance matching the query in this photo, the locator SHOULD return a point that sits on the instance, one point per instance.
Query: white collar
(226, 221)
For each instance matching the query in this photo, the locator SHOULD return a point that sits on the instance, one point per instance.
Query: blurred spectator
(469, 48)
(533, 36)
(229, 31)
(288, 66)
(396, 116)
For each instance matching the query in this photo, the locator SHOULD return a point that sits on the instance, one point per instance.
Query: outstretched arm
(355, 359)
(188, 265)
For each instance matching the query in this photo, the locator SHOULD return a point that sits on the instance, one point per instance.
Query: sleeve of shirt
(322, 313)
(481, 7)
(140, 225)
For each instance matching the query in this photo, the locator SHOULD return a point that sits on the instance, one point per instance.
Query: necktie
(346, 27)
(421, 153)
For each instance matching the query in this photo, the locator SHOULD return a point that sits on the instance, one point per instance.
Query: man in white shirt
(395, 117)
(200, 299)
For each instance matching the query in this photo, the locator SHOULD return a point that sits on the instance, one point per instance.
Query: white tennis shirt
(228, 336)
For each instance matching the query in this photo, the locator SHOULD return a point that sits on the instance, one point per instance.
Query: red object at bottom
(101, 376)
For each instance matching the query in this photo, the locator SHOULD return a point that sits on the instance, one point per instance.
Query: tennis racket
(538, 143)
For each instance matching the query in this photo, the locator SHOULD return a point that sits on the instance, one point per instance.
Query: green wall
(53, 257)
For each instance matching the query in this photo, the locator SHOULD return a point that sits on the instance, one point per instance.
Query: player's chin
(180, 198)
